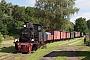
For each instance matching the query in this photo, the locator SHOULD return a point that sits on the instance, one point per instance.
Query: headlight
(32, 40)
(16, 40)
(24, 25)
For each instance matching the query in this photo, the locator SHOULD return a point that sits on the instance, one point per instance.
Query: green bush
(6, 36)
(11, 37)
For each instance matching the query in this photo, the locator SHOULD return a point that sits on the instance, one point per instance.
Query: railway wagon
(75, 34)
(71, 35)
(49, 37)
(63, 35)
(78, 34)
(52, 34)
(55, 34)
(81, 34)
(68, 35)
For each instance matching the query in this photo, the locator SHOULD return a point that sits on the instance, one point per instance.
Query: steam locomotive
(31, 38)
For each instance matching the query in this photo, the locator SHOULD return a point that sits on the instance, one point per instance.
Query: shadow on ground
(10, 49)
(86, 54)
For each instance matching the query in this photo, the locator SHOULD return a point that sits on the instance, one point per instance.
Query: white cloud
(84, 10)
(83, 4)
(31, 2)
(83, 15)
(86, 15)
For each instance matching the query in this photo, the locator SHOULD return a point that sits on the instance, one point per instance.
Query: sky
(83, 5)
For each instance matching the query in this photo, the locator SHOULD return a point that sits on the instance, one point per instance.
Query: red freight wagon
(49, 37)
(56, 34)
(51, 31)
(68, 35)
(78, 34)
(63, 35)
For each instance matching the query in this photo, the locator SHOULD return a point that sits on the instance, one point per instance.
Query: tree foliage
(81, 25)
(88, 24)
(19, 13)
(57, 11)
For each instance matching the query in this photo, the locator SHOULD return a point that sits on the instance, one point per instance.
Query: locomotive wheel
(35, 47)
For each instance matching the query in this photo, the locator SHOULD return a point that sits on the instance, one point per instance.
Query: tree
(71, 28)
(60, 10)
(30, 11)
(3, 26)
(81, 25)
(19, 13)
(30, 14)
(3, 5)
(1, 13)
(6, 8)
(88, 23)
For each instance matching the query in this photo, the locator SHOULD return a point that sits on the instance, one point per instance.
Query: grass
(84, 54)
(8, 49)
(81, 43)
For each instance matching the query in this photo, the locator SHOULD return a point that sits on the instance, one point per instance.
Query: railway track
(18, 56)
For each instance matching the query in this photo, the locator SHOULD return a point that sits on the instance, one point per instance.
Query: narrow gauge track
(3, 55)
(18, 56)
(25, 57)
